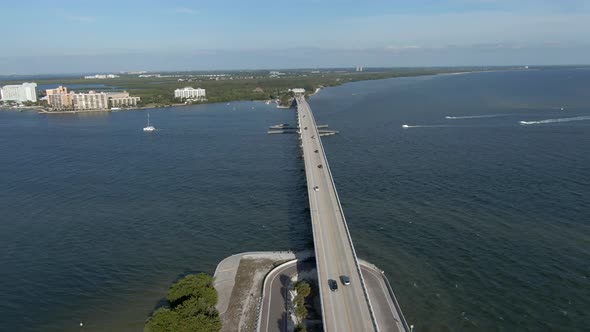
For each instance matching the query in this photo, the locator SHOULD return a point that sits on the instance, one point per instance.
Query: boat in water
(148, 127)
(280, 126)
(405, 126)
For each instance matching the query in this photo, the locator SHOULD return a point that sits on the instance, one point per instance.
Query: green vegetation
(242, 85)
(303, 290)
(300, 328)
(192, 307)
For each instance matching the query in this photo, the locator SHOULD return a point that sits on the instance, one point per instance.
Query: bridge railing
(356, 260)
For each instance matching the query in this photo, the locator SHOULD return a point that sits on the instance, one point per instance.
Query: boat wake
(474, 116)
(577, 118)
(426, 126)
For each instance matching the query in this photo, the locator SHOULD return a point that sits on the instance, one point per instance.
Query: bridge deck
(348, 308)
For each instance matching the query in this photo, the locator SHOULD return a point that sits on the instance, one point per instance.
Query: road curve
(273, 310)
(274, 313)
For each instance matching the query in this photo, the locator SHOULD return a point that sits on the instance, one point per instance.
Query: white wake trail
(427, 126)
(474, 116)
(577, 118)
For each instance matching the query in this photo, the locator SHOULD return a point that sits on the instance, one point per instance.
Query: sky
(42, 37)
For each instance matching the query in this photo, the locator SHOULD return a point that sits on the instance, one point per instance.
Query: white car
(316, 188)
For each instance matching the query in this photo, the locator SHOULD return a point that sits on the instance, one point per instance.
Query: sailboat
(149, 128)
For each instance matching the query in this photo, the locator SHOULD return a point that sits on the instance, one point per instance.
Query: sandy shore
(238, 281)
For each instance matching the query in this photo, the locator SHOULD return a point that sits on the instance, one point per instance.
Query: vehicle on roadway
(313, 136)
(305, 128)
(316, 188)
(345, 280)
(316, 151)
(333, 285)
(320, 166)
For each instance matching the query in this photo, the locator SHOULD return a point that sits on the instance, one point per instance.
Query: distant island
(158, 89)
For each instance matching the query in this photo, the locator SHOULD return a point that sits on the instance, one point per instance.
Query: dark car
(333, 285)
(320, 166)
(305, 128)
(316, 151)
(345, 280)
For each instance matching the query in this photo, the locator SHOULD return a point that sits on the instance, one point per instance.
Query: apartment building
(90, 101)
(22, 92)
(122, 99)
(190, 93)
(59, 98)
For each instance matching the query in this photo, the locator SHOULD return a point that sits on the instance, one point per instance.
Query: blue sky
(90, 36)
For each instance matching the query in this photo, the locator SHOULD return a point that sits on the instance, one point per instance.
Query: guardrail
(356, 260)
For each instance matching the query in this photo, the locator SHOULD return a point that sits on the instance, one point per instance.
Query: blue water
(480, 223)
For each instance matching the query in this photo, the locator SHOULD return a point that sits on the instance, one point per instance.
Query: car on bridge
(333, 285)
(316, 151)
(320, 166)
(316, 188)
(345, 280)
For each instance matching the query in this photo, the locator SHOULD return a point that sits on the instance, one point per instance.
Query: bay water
(481, 223)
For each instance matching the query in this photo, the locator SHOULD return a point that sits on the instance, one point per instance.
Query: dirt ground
(246, 295)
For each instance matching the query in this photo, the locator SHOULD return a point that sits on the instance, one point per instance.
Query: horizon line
(125, 72)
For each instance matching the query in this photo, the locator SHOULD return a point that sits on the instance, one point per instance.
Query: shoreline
(317, 90)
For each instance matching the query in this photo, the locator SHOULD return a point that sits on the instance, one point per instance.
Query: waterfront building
(20, 93)
(59, 98)
(122, 99)
(275, 73)
(90, 101)
(190, 93)
(298, 91)
(101, 76)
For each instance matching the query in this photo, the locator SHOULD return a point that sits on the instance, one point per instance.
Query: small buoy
(81, 324)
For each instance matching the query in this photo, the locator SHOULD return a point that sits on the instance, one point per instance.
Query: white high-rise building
(20, 93)
(190, 93)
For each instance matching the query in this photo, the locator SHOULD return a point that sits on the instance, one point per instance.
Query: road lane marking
(309, 170)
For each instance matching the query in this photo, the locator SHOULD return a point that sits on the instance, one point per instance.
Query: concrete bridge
(350, 307)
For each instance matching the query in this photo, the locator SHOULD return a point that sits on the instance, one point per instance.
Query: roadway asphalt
(386, 313)
(346, 309)
(273, 312)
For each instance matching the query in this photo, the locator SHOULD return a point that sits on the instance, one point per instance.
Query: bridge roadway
(348, 308)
